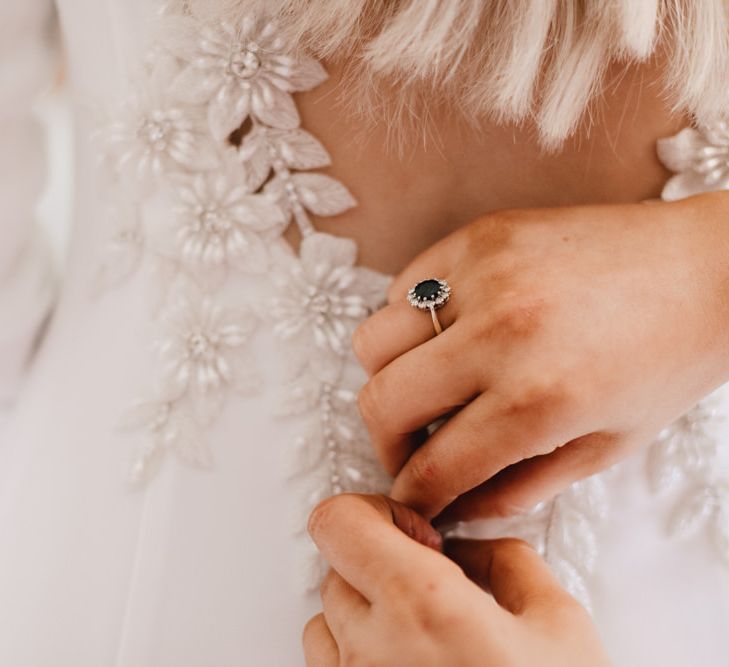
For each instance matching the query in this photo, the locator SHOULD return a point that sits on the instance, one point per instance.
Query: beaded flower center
(201, 346)
(321, 304)
(212, 221)
(155, 132)
(244, 63)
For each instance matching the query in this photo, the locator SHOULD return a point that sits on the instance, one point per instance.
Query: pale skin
(393, 600)
(582, 321)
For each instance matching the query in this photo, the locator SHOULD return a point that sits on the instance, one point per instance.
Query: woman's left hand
(572, 336)
(393, 600)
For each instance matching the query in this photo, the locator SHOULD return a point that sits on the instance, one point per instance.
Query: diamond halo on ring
(430, 294)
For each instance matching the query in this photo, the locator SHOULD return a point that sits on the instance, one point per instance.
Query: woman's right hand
(393, 600)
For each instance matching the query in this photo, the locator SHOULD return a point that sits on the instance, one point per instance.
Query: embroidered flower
(700, 159)
(241, 70)
(322, 297)
(154, 137)
(219, 224)
(204, 353)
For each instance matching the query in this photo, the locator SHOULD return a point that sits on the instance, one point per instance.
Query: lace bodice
(211, 152)
(222, 351)
(212, 136)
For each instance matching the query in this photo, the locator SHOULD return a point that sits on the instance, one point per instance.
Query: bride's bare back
(452, 172)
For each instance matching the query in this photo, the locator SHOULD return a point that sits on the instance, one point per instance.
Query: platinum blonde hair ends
(511, 60)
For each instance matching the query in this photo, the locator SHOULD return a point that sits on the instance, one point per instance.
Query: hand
(391, 601)
(573, 336)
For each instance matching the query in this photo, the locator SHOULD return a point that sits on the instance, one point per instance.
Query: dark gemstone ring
(430, 294)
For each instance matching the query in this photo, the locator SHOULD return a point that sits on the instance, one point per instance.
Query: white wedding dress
(193, 395)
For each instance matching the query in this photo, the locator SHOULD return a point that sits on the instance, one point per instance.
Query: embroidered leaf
(300, 397)
(300, 150)
(192, 449)
(322, 253)
(573, 537)
(144, 415)
(677, 152)
(664, 469)
(690, 515)
(123, 257)
(590, 496)
(572, 581)
(256, 160)
(307, 74)
(227, 111)
(276, 190)
(322, 194)
(307, 454)
(274, 107)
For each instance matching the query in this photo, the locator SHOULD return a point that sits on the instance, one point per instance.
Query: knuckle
(398, 589)
(396, 290)
(422, 472)
(369, 401)
(433, 609)
(492, 231)
(352, 657)
(343, 510)
(540, 402)
(518, 316)
(326, 585)
(361, 342)
(325, 514)
(311, 628)
(512, 318)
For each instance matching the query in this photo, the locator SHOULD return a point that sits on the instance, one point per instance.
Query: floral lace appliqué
(211, 136)
(686, 456)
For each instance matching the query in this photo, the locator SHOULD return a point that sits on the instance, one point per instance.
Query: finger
(520, 487)
(413, 391)
(485, 437)
(320, 648)
(344, 606)
(371, 540)
(394, 330)
(515, 574)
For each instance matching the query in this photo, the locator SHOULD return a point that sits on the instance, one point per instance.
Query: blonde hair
(512, 60)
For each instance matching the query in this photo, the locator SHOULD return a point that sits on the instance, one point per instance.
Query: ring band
(430, 294)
